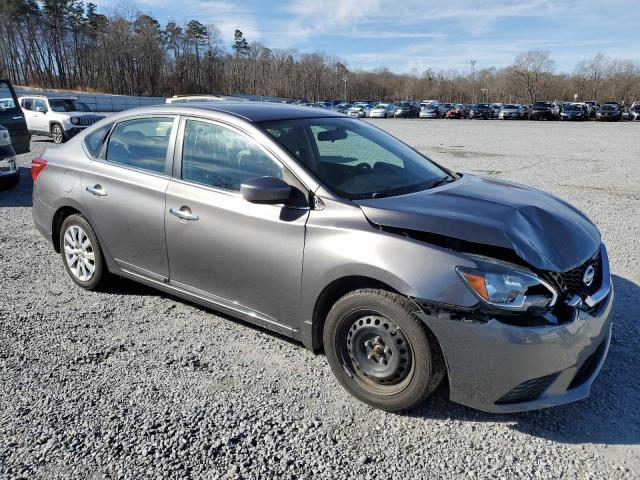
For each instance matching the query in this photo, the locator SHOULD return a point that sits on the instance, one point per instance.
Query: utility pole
(345, 78)
(473, 81)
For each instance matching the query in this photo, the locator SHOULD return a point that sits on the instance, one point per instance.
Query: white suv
(57, 117)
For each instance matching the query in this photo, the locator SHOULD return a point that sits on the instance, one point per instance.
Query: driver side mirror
(267, 190)
(2, 109)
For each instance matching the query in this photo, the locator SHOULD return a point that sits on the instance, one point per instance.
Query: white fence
(99, 103)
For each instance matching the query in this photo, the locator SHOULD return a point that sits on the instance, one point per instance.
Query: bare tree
(530, 69)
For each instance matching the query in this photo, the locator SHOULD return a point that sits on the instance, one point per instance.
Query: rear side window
(94, 140)
(141, 143)
(218, 157)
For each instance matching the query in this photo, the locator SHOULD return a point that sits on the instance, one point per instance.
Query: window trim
(104, 141)
(170, 147)
(178, 151)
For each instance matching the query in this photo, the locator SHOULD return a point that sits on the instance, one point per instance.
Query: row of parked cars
(608, 111)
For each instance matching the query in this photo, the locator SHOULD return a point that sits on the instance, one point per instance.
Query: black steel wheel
(380, 351)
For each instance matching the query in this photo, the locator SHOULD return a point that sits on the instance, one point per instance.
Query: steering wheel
(362, 168)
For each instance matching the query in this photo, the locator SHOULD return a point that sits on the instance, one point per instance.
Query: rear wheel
(380, 351)
(81, 253)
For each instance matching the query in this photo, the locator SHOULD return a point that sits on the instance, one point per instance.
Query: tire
(57, 134)
(380, 351)
(86, 257)
(9, 184)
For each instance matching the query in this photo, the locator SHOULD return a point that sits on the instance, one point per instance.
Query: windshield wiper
(440, 181)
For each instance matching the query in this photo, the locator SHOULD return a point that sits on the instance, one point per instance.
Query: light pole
(473, 80)
(344, 79)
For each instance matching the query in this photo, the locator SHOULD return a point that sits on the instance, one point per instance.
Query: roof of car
(257, 111)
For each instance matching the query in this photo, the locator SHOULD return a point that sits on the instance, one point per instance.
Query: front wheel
(81, 253)
(380, 351)
(57, 134)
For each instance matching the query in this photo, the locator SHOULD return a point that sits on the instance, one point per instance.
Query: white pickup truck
(57, 117)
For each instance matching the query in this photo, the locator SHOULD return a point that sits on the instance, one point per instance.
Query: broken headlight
(507, 286)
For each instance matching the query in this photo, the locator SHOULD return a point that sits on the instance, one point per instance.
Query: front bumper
(501, 368)
(73, 131)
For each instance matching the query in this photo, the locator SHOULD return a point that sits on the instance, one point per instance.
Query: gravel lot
(132, 383)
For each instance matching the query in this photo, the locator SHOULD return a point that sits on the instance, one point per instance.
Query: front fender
(340, 242)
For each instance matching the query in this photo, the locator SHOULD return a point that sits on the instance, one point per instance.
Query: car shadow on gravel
(21, 195)
(611, 414)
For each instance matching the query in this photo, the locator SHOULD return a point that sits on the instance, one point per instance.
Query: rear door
(12, 118)
(124, 191)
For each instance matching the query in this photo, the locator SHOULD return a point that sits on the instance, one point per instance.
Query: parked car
(360, 109)
(543, 111)
(481, 110)
(429, 101)
(9, 171)
(593, 107)
(329, 230)
(12, 118)
(574, 112)
(341, 107)
(383, 110)
(432, 110)
(634, 113)
(457, 111)
(496, 109)
(325, 105)
(406, 110)
(609, 112)
(57, 117)
(511, 111)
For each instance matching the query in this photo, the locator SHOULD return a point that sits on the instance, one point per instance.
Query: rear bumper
(503, 368)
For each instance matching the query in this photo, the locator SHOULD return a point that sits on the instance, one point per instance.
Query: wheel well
(330, 295)
(55, 122)
(59, 217)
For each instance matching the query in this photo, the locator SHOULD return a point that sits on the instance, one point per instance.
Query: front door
(125, 195)
(240, 255)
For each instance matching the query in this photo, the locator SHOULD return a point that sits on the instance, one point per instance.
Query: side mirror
(268, 190)
(2, 109)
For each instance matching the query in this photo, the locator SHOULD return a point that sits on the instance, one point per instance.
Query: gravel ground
(132, 383)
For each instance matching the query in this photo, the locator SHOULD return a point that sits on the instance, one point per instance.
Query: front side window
(141, 143)
(27, 103)
(354, 159)
(68, 105)
(7, 101)
(218, 157)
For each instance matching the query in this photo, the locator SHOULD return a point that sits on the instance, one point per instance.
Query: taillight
(37, 165)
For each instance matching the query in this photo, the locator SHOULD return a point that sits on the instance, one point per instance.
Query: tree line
(68, 44)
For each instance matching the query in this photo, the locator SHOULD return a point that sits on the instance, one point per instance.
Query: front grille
(529, 390)
(88, 120)
(570, 283)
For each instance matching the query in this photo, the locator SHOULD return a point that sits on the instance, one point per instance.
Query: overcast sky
(418, 34)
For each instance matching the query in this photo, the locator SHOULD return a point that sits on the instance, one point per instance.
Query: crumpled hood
(543, 230)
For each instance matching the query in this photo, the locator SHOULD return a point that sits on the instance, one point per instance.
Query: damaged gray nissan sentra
(329, 230)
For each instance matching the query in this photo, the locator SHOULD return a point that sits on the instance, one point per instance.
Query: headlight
(74, 120)
(507, 286)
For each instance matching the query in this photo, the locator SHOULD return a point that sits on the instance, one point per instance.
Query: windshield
(542, 104)
(381, 106)
(510, 107)
(572, 108)
(609, 107)
(354, 159)
(68, 105)
(482, 106)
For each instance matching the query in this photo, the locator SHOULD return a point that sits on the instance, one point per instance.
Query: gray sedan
(328, 230)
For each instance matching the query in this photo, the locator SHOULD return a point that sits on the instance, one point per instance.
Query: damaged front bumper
(502, 367)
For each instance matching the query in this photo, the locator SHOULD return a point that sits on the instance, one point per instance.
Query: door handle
(184, 213)
(97, 190)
